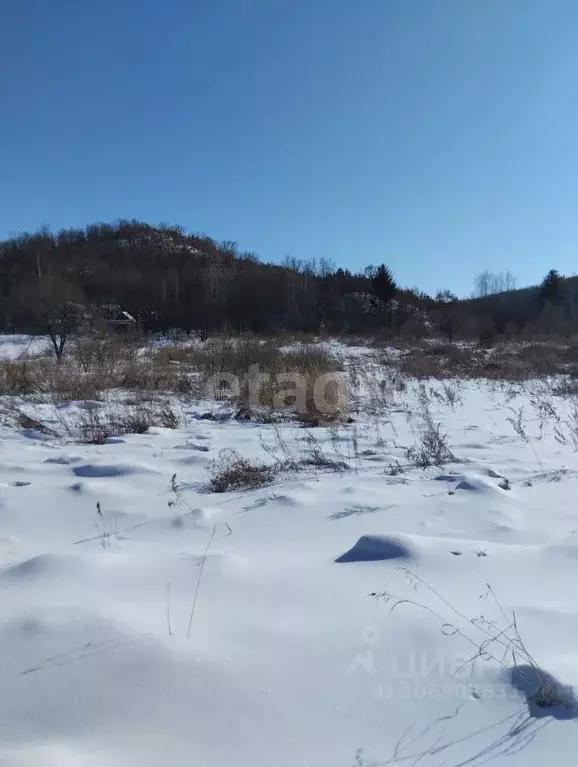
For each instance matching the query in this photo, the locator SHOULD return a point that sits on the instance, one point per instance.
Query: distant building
(117, 318)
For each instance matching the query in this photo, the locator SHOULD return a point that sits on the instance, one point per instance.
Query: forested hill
(169, 279)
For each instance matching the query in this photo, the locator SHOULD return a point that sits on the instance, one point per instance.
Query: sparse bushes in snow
(17, 378)
(256, 374)
(96, 425)
(502, 362)
(231, 471)
(305, 380)
(430, 442)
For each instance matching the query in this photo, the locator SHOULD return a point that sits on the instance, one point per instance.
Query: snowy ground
(193, 628)
(13, 347)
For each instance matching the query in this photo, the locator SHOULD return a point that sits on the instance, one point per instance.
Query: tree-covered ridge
(167, 278)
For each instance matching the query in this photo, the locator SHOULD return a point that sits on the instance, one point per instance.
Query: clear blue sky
(439, 136)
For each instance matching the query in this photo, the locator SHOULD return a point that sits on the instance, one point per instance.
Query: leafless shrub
(279, 451)
(150, 375)
(451, 396)
(321, 461)
(518, 423)
(395, 468)
(317, 457)
(174, 355)
(437, 361)
(25, 421)
(504, 362)
(92, 367)
(17, 378)
(381, 384)
(106, 353)
(64, 383)
(305, 380)
(565, 387)
(542, 402)
(566, 431)
(310, 452)
(96, 426)
(231, 471)
(259, 375)
(430, 442)
(257, 415)
(165, 417)
(93, 428)
(325, 413)
(432, 449)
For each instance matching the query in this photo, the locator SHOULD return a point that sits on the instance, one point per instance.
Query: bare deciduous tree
(63, 312)
(488, 284)
(62, 320)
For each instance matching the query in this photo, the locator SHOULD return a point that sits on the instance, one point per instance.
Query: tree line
(168, 279)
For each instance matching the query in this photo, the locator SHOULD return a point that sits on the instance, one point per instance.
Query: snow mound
(191, 517)
(286, 500)
(545, 695)
(34, 434)
(64, 460)
(190, 460)
(469, 484)
(192, 446)
(375, 548)
(39, 755)
(476, 484)
(43, 565)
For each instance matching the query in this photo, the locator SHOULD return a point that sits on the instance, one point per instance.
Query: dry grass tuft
(302, 379)
(503, 362)
(98, 425)
(261, 374)
(17, 378)
(231, 471)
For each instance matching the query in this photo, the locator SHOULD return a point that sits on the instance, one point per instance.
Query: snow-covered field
(13, 347)
(147, 621)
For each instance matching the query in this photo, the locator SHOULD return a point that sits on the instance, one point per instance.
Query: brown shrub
(259, 374)
(18, 378)
(92, 368)
(505, 362)
(231, 471)
(251, 372)
(96, 426)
